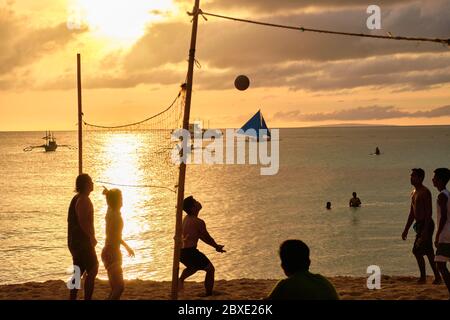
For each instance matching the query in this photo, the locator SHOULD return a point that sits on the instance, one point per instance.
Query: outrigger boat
(50, 144)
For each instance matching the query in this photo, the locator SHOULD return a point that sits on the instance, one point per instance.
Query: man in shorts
(194, 229)
(81, 235)
(421, 212)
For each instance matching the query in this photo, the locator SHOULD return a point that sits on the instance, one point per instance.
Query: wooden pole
(80, 117)
(182, 173)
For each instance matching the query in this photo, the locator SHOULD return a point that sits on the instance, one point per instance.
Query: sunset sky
(134, 57)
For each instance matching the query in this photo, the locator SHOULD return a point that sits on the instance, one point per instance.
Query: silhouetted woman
(111, 255)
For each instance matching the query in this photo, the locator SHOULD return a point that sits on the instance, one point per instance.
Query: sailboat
(50, 144)
(259, 126)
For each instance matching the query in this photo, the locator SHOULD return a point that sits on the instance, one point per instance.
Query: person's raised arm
(206, 238)
(85, 214)
(442, 203)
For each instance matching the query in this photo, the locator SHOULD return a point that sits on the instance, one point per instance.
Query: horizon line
(346, 125)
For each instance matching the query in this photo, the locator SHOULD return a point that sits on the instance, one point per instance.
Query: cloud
(225, 44)
(21, 46)
(271, 6)
(362, 113)
(283, 58)
(397, 72)
(116, 81)
(275, 6)
(163, 43)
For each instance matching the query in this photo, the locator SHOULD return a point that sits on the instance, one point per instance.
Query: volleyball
(241, 82)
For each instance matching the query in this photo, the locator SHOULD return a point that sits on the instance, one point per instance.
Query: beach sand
(349, 288)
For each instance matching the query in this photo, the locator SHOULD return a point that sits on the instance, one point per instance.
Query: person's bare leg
(209, 279)
(421, 263)
(445, 274)
(110, 286)
(116, 281)
(89, 283)
(184, 275)
(437, 276)
(74, 291)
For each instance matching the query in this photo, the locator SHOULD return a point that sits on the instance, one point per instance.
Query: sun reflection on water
(136, 162)
(123, 158)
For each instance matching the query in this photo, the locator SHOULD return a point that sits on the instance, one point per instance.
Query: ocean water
(250, 214)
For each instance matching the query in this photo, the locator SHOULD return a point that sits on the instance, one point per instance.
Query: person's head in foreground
(294, 255)
(84, 184)
(441, 178)
(191, 206)
(113, 198)
(300, 284)
(354, 194)
(417, 176)
(328, 205)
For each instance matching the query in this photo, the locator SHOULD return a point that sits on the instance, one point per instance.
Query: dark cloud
(282, 58)
(224, 44)
(396, 72)
(231, 45)
(271, 6)
(399, 72)
(163, 43)
(362, 113)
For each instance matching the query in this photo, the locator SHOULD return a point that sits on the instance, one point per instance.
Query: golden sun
(122, 20)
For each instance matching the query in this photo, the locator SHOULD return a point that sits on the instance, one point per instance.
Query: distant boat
(50, 144)
(256, 123)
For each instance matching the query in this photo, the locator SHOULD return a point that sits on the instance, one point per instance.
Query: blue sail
(256, 123)
(264, 126)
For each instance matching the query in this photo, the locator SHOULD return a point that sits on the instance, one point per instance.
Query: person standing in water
(328, 206)
(355, 201)
(194, 229)
(81, 235)
(442, 242)
(377, 151)
(421, 212)
(111, 255)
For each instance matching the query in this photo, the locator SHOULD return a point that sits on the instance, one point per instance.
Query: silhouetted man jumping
(194, 229)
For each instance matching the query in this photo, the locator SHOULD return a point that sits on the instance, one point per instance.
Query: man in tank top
(81, 235)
